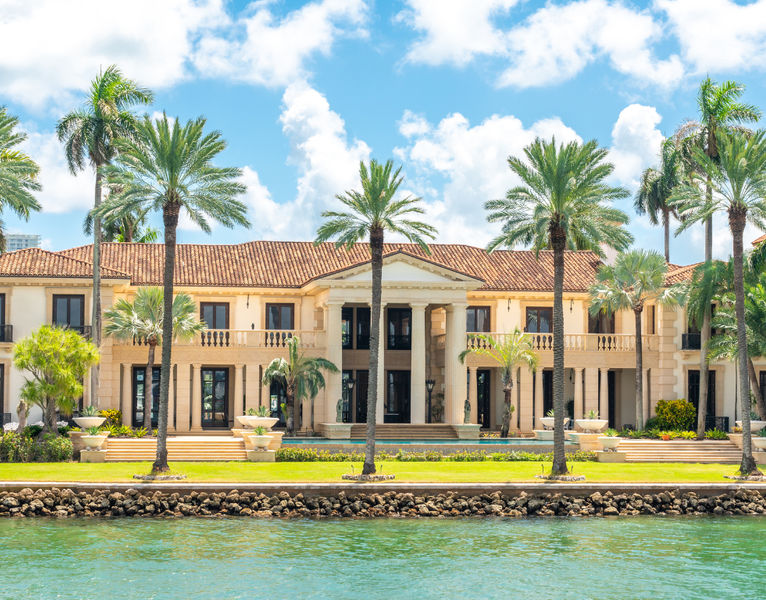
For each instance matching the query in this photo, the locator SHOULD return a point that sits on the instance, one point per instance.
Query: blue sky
(303, 90)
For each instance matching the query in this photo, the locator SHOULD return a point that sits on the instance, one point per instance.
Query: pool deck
(331, 489)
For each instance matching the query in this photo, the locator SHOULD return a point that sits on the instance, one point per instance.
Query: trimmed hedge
(676, 415)
(311, 455)
(23, 448)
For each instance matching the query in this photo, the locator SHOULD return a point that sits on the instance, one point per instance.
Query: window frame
(213, 305)
(549, 310)
(280, 305)
(347, 336)
(69, 298)
(475, 310)
(362, 340)
(398, 341)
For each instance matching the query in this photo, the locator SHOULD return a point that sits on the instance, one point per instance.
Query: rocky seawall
(66, 503)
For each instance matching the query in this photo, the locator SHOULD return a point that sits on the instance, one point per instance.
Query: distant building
(20, 241)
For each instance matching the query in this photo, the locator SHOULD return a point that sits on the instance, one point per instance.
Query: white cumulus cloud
(636, 143)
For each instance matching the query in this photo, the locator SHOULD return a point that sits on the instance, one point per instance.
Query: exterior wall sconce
(508, 308)
(571, 305)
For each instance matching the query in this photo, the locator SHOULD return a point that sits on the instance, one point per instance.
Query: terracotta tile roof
(293, 264)
(759, 239)
(679, 273)
(35, 262)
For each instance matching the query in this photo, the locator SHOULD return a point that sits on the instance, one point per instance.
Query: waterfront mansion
(254, 296)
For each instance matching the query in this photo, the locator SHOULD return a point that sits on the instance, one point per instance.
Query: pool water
(640, 557)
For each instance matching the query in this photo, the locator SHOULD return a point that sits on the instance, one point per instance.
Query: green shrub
(716, 434)
(311, 455)
(32, 431)
(679, 415)
(23, 448)
(55, 448)
(113, 417)
(652, 423)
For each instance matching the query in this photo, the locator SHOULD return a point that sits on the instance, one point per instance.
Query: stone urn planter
(755, 424)
(88, 422)
(609, 443)
(260, 442)
(93, 442)
(759, 443)
(547, 422)
(253, 421)
(591, 425)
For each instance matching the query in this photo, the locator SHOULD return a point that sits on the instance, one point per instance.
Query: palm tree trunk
(756, 387)
(149, 388)
(737, 225)
(507, 389)
(170, 221)
(376, 346)
(558, 241)
(666, 226)
(291, 410)
(49, 418)
(705, 329)
(21, 410)
(639, 371)
(96, 316)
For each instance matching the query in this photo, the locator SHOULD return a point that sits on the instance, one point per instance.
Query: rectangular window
(139, 394)
(539, 319)
(363, 328)
(69, 311)
(215, 314)
(347, 327)
(3, 415)
(5, 332)
(600, 323)
(399, 328)
(477, 319)
(651, 324)
(279, 316)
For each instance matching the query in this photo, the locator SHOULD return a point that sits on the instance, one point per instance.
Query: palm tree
(371, 212)
(720, 109)
(708, 281)
(724, 345)
(141, 320)
(737, 182)
(653, 195)
(18, 173)
(513, 350)
(302, 376)
(89, 135)
(168, 169)
(636, 279)
(130, 228)
(562, 203)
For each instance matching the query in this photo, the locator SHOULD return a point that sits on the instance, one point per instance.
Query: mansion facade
(255, 296)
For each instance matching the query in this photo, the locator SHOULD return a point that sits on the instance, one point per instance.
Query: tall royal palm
(370, 213)
(18, 173)
(89, 135)
(141, 320)
(720, 109)
(636, 279)
(562, 202)
(653, 195)
(169, 168)
(737, 182)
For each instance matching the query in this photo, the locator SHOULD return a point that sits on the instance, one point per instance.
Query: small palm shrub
(678, 415)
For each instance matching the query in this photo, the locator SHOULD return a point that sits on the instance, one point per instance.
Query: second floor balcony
(248, 338)
(583, 342)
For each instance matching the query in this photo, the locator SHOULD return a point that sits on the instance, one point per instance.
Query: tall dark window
(5, 332)
(539, 319)
(278, 397)
(363, 328)
(477, 319)
(397, 405)
(601, 323)
(215, 314)
(69, 311)
(139, 394)
(279, 316)
(215, 397)
(399, 326)
(3, 415)
(694, 390)
(651, 323)
(361, 389)
(347, 327)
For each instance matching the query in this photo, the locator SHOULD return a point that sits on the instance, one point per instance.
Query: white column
(171, 401)
(579, 406)
(127, 395)
(539, 406)
(334, 381)
(603, 398)
(382, 379)
(473, 395)
(196, 403)
(645, 394)
(418, 364)
(252, 385)
(454, 370)
(239, 395)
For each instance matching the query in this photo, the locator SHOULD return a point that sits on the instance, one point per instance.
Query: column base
(335, 431)
(467, 431)
(261, 456)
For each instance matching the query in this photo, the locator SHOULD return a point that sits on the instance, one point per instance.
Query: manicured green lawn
(331, 472)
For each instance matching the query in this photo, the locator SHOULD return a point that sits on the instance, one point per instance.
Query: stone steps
(179, 449)
(686, 451)
(405, 431)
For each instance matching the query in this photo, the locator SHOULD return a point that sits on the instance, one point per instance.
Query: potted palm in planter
(93, 438)
(89, 417)
(547, 420)
(610, 440)
(260, 438)
(759, 441)
(260, 417)
(591, 423)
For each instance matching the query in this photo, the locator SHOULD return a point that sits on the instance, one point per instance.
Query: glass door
(215, 397)
(398, 397)
(482, 396)
(362, 378)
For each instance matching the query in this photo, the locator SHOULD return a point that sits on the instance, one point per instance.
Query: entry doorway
(611, 406)
(694, 390)
(397, 408)
(215, 397)
(483, 389)
(361, 388)
(547, 391)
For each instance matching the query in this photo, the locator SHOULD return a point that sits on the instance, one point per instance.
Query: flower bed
(311, 455)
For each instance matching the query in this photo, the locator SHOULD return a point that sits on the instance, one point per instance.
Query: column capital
(418, 305)
(603, 369)
(579, 369)
(333, 303)
(452, 306)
